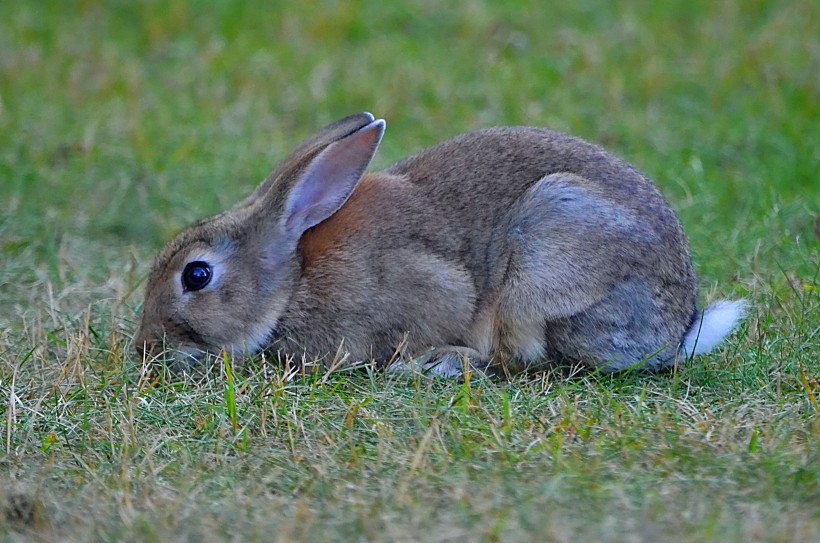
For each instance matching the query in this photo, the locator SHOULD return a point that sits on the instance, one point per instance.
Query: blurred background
(122, 122)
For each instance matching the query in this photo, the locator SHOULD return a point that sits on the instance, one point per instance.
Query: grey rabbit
(506, 247)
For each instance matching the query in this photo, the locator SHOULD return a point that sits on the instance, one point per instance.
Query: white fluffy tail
(711, 326)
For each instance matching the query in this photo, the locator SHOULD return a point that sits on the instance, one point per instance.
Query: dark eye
(196, 275)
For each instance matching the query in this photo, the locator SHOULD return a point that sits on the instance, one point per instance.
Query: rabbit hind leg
(625, 330)
(574, 289)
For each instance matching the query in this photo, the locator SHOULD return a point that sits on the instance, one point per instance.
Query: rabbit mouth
(179, 358)
(183, 357)
(188, 355)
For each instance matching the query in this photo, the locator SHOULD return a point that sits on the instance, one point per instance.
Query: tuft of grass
(120, 123)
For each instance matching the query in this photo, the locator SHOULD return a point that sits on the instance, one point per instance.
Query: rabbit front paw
(450, 361)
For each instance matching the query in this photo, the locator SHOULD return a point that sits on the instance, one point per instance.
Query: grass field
(121, 122)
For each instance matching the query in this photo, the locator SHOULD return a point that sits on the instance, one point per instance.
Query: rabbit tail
(711, 326)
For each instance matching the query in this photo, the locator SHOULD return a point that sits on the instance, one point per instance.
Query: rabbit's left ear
(329, 179)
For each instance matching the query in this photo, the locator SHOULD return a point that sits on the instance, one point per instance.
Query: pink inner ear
(330, 178)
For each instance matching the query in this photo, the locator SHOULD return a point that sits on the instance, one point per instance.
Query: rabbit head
(223, 283)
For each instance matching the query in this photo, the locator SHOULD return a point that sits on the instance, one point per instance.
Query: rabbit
(514, 247)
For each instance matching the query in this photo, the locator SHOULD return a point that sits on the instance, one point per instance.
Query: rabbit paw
(449, 361)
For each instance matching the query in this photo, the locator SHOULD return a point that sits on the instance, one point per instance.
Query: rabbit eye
(196, 275)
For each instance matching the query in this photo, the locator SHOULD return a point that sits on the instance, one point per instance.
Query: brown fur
(351, 219)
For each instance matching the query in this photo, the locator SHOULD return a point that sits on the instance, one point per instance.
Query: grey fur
(507, 246)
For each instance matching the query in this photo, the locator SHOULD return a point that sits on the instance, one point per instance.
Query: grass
(121, 122)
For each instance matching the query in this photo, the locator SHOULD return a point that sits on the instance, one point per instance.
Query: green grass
(121, 123)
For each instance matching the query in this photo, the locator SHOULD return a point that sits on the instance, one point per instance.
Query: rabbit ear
(329, 178)
(325, 137)
(335, 131)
